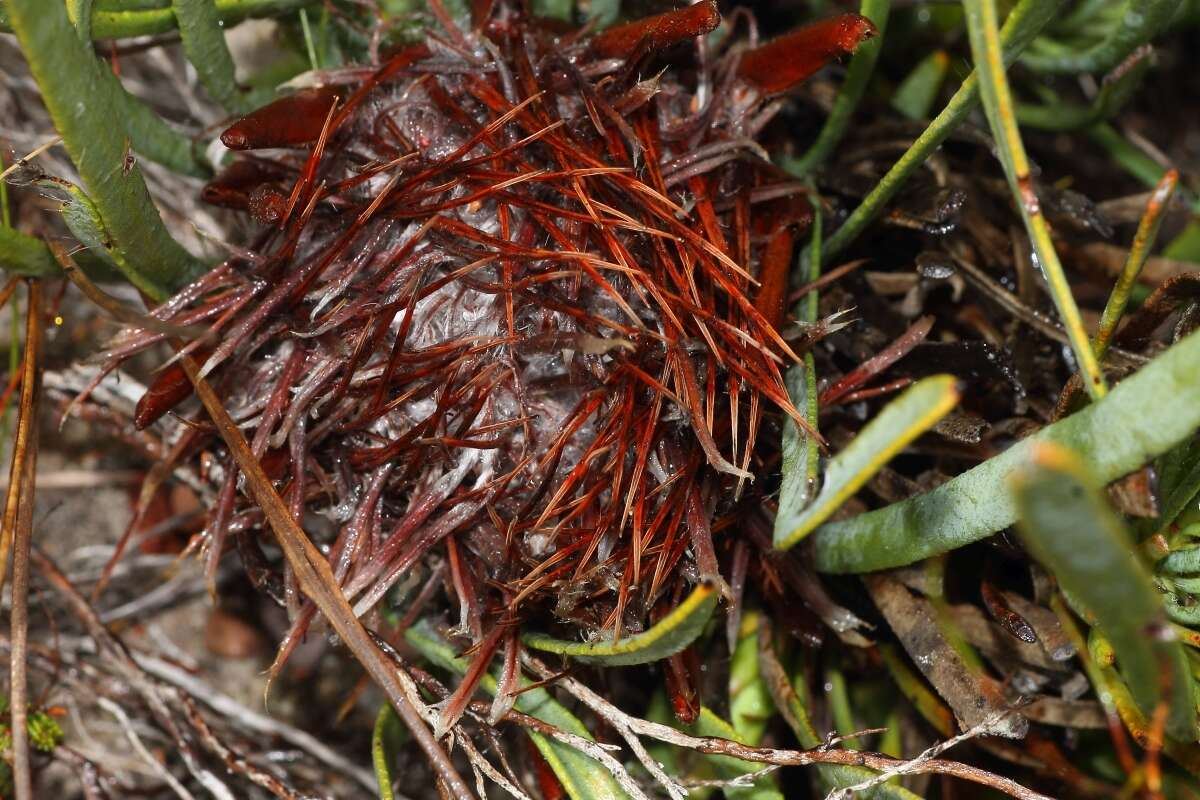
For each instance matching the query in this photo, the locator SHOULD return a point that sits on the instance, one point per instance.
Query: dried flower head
(516, 302)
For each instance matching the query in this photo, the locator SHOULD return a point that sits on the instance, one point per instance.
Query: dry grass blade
(17, 536)
(317, 582)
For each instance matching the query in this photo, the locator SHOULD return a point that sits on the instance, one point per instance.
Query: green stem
(1141, 21)
(983, 30)
(862, 65)
(1024, 23)
(120, 24)
(83, 99)
(1143, 243)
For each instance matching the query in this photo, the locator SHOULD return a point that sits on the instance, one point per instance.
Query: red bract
(514, 306)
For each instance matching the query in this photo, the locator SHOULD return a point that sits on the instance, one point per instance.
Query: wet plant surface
(601, 401)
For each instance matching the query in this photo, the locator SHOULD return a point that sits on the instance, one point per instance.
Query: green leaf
(145, 17)
(1136, 24)
(901, 421)
(1069, 528)
(83, 99)
(1144, 416)
(580, 775)
(1025, 22)
(386, 736)
(203, 37)
(728, 767)
(790, 701)
(983, 30)
(21, 254)
(916, 94)
(670, 635)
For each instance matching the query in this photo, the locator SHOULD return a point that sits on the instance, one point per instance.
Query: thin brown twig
(766, 755)
(21, 538)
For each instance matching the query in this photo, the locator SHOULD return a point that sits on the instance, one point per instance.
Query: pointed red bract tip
(787, 61)
(657, 32)
(288, 122)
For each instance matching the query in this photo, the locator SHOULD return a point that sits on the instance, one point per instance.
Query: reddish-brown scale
(168, 390)
(683, 674)
(658, 32)
(232, 185)
(1010, 620)
(787, 61)
(771, 300)
(287, 122)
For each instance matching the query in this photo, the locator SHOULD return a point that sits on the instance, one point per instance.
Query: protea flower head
(515, 303)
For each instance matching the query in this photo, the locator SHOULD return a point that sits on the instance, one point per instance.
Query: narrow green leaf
(790, 701)
(901, 421)
(915, 96)
(83, 100)
(203, 36)
(1069, 528)
(983, 31)
(83, 220)
(582, 777)
(386, 734)
(1144, 416)
(1143, 243)
(1025, 22)
(1140, 21)
(750, 705)
(670, 635)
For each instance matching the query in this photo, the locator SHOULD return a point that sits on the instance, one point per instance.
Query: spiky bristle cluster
(514, 303)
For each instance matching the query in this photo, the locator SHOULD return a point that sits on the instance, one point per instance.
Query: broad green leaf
(203, 37)
(582, 777)
(901, 421)
(1069, 528)
(1144, 416)
(670, 635)
(83, 99)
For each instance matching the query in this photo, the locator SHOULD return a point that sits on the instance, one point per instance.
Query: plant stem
(23, 475)
(983, 30)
